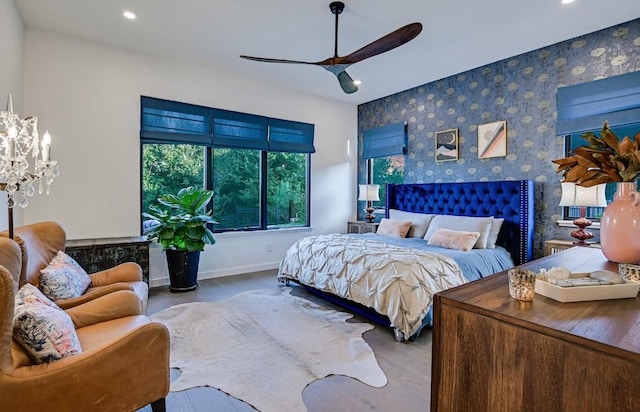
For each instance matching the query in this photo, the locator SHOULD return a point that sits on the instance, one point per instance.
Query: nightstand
(557, 245)
(362, 227)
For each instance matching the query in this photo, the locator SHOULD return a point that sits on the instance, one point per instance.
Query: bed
(392, 280)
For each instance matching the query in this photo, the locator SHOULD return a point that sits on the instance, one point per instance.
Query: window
(384, 148)
(257, 167)
(586, 106)
(389, 169)
(575, 140)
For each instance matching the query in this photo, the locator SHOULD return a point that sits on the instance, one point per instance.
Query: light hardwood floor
(407, 365)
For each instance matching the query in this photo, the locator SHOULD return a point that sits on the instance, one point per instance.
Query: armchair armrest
(114, 305)
(93, 293)
(126, 371)
(124, 272)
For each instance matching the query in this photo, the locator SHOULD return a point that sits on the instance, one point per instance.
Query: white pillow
(495, 231)
(481, 225)
(396, 228)
(419, 221)
(454, 239)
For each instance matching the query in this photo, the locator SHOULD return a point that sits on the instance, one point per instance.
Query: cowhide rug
(264, 347)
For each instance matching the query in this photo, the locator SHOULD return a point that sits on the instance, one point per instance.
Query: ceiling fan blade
(346, 82)
(390, 41)
(266, 60)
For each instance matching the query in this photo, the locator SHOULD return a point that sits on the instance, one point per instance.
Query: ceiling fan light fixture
(347, 83)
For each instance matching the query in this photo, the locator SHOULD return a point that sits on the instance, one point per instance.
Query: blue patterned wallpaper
(520, 90)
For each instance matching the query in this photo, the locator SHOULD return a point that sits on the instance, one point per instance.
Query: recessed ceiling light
(357, 82)
(130, 15)
(567, 1)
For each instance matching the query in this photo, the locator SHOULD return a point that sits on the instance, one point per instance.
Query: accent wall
(520, 90)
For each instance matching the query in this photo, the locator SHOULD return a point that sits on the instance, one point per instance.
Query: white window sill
(268, 232)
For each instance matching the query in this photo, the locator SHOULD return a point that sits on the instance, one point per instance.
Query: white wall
(11, 69)
(88, 97)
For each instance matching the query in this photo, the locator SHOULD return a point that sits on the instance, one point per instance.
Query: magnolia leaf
(590, 174)
(574, 174)
(587, 161)
(593, 140)
(601, 179)
(610, 138)
(627, 147)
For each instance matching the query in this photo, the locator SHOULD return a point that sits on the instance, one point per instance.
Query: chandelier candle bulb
(46, 146)
(11, 148)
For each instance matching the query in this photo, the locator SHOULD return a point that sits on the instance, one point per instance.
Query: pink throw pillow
(394, 228)
(454, 239)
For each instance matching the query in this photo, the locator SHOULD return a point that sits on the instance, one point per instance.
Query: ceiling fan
(338, 64)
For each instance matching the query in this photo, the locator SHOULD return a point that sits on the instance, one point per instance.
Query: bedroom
(93, 76)
(99, 182)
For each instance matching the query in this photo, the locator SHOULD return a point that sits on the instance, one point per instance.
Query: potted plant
(180, 227)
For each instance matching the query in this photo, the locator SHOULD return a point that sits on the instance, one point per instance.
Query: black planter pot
(183, 270)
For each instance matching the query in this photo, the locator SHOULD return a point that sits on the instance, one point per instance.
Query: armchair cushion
(63, 278)
(45, 331)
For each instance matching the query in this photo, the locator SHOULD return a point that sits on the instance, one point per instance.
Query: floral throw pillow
(63, 278)
(44, 330)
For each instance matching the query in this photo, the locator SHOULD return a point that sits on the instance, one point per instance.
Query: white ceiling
(458, 35)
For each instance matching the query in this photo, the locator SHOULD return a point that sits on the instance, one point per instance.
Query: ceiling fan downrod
(336, 8)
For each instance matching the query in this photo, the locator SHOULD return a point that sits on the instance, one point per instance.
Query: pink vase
(620, 225)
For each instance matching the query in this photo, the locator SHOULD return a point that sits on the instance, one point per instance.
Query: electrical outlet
(269, 247)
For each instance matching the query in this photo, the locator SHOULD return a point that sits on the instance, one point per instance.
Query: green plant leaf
(183, 224)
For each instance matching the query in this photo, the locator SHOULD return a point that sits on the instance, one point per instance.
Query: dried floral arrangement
(604, 159)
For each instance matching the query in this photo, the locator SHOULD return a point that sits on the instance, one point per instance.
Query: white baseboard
(238, 270)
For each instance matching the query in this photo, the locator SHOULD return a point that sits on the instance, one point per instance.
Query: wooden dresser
(493, 353)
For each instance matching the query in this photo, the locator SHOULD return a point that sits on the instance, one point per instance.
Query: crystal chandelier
(19, 141)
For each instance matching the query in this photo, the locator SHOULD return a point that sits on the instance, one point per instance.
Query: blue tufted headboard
(510, 199)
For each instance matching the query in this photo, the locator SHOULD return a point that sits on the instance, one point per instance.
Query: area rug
(264, 347)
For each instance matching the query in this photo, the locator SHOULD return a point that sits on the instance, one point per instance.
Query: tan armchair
(123, 366)
(39, 243)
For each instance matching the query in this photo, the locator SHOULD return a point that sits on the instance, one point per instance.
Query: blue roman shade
(169, 122)
(164, 121)
(293, 137)
(586, 106)
(384, 141)
(239, 130)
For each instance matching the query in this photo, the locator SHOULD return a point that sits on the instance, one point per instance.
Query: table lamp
(370, 194)
(583, 197)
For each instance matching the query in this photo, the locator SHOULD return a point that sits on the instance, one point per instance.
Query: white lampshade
(574, 195)
(369, 192)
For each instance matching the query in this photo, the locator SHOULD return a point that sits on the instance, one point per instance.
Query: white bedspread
(396, 282)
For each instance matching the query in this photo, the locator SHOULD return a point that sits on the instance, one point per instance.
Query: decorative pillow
(29, 294)
(63, 278)
(454, 239)
(395, 228)
(419, 221)
(44, 330)
(495, 231)
(481, 225)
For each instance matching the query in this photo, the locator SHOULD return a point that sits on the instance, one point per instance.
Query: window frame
(289, 136)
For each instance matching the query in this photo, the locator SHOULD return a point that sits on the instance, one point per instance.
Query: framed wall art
(447, 145)
(492, 139)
